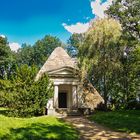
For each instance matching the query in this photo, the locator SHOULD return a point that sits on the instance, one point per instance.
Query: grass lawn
(124, 121)
(36, 128)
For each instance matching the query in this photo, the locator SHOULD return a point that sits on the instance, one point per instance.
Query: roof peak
(58, 59)
(59, 53)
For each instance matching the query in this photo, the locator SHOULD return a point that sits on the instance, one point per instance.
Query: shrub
(26, 97)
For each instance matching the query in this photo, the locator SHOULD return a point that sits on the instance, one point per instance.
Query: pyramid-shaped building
(63, 71)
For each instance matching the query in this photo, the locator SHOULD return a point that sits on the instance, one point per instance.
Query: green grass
(124, 121)
(36, 128)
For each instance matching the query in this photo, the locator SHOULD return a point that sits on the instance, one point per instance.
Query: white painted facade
(67, 86)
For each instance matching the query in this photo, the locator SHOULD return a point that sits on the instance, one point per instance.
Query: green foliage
(36, 128)
(100, 53)
(124, 121)
(75, 40)
(74, 43)
(39, 52)
(4, 50)
(128, 13)
(24, 75)
(111, 67)
(43, 48)
(6, 58)
(128, 77)
(23, 95)
(131, 77)
(18, 89)
(25, 55)
(5, 93)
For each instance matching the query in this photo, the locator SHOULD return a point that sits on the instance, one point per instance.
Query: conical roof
(58, 59)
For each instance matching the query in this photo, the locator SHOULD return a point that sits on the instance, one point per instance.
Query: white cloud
(99, 8)
(3, 36)
(77, 28)
(14, 46)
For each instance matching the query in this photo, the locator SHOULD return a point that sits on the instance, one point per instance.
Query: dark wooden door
(62, 99)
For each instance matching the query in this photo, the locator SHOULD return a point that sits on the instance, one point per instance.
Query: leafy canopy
(128, 13)
(99, 54)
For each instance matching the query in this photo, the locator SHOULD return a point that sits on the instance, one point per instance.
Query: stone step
(68, 112)
(73, 114)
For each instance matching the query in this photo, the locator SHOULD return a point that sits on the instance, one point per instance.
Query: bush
(5, 92)
(27, 97)
(32, 100)
(134, 105)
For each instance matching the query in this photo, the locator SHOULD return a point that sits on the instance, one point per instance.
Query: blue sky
(26, 21)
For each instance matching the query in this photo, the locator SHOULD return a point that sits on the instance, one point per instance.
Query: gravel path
(92, 131)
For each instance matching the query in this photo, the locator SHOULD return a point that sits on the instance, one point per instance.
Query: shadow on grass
(124, 121)
(4, 111)
(40, 131)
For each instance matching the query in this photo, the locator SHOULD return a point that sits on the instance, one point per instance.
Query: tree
(6, 58)
(25, 55)
(39, 52)
(75, 40)
(100, 53)
(43, 48)
(74, 43)
(128, 13)
(130, 77)
(23, 95)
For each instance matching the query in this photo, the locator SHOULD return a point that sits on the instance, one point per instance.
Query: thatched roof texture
(57, 60)
(90, 97)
